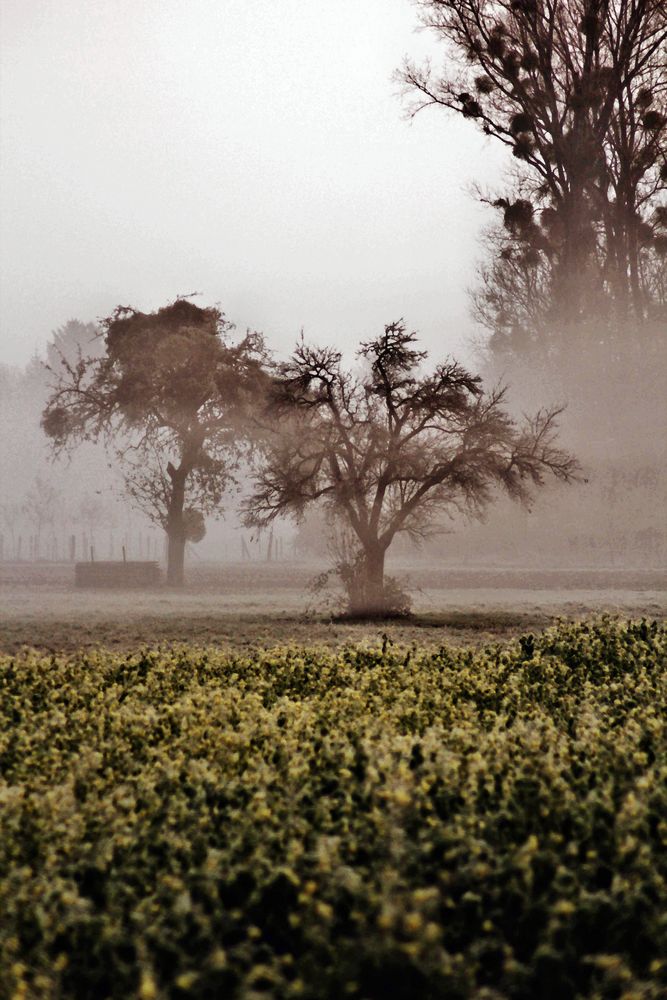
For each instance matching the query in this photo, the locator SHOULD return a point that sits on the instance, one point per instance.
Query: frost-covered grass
(365, 822)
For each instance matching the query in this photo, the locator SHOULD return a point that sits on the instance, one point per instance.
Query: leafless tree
(390, 450)
(577, 90)
(41, 508)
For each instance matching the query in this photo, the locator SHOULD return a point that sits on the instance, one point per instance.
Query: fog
(333, 498)
(256, 153)
(260, 156)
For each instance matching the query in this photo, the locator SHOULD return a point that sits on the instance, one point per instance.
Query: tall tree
(169, 397)
(577, 90)
(391, 449)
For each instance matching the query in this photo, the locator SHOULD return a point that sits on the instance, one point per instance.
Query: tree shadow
(457, 620)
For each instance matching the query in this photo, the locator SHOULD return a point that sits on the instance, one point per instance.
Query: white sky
(253, 150)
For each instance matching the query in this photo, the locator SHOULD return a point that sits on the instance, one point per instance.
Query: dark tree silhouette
(577, 90)
(390, 450)
(169, 397)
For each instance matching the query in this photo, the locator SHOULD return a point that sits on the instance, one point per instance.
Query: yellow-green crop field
(371, 823)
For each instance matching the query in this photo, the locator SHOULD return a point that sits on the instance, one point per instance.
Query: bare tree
(577, 90)
(169, 397)
(41, 508)
(390, 450)
(10, 518)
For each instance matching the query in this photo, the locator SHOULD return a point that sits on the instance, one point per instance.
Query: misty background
(260, 154)
(251, 151)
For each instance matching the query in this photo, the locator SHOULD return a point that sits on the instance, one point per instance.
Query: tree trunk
(366, 594)
(176, 527)
(176, 559)
(572, 267)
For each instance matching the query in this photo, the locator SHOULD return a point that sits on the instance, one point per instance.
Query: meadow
(367, 820)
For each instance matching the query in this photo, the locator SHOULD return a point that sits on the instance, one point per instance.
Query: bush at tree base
(353, 601)
(368, 823)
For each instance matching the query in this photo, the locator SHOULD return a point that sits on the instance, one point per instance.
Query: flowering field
(368, 822)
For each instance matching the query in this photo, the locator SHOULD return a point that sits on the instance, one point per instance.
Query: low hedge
(370, 823)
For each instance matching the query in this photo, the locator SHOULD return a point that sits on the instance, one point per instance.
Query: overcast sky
(255, 151)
